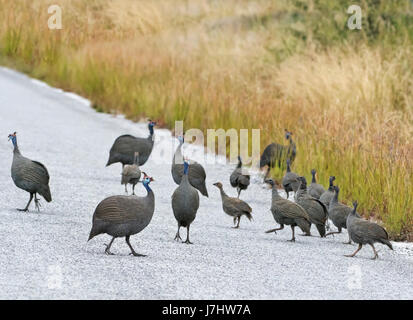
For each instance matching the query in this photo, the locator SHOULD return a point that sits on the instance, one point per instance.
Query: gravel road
(46, 256)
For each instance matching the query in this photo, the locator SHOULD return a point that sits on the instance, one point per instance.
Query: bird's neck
(330, 188)
(16, 149)
(275, 194)
(239, 164)
(335, 198)
(288, 167)
(148, 188)
(223, 194)
(313, 180)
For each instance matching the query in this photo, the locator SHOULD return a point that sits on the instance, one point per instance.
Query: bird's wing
(237, 205)
(370, 229)
(292, 210)
(118, 209)
(36, 172)
(196, 171)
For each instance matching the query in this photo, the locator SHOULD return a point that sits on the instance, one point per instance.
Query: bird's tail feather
(46, 194)
(387, 243)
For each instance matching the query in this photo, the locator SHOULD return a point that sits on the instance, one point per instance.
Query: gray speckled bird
(328, 194)
(29, 175)
(314, 189)
(338, 213)
(196, 172)
(275, 154)
(288, 212)
(185, 204)
(316, 210)
(234, 207)
(365, 232)
(239, 179)
(290, 182)
(131, 174)
(124, 148)
(123, 216)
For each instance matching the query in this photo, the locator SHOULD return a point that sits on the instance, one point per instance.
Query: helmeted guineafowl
(29, 175)
(131, 174)
(234, 207)
(328, 194)
(185, 204)
(365, 232)
(196, 172)
(314, 189)
(123, 216)
(338, 212)
(290, 182)
(316, 210)
(124, 148)
(239, 178)
(287, 212)
(275, 154)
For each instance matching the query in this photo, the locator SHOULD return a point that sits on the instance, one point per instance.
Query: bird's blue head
(288, 134)
(13, 138)
(151, 124)
(186, 166)
(146, 181)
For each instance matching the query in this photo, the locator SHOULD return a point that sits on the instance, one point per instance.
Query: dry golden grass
(231, 64)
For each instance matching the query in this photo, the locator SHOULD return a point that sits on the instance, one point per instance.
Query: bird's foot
(305, 234)
(178, 238)
(23, 210)
(133, 253)
(347, 242)
(37, 204)
(349, 255)
(107, 251)
(235, 227)
(187, 241)
(291, 240)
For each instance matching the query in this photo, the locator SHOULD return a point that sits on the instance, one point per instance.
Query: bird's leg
(187, 236)
(107, 250)
(376, 255)
(126, 189)
(28, 204)
(239, 191)
(349, 240)
(275, 230)
(37, 203)
(355, 252)
(178, 237)
(133, 189)
(236, 219)
(332, 232)
(293, 238)
(306, 234)
(288, 193)
(133, 252)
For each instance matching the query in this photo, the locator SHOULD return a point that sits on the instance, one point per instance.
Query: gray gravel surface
(46, 256)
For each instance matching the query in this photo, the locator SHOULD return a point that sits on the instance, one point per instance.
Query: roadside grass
(346, 95)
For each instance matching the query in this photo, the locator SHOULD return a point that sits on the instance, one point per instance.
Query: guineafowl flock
(126, 215)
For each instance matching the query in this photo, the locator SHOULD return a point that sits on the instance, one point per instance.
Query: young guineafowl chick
(239, 179)
(30, 176)
(131, 174)
(123, 216)
(365, 232)
(288, 212)
(314, 189)
(234, 207)
(185, 204)
(290, 182)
